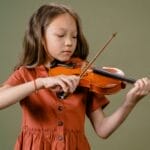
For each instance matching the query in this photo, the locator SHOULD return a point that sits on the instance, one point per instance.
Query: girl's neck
(52, 63)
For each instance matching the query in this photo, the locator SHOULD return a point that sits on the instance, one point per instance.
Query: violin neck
(114, 75)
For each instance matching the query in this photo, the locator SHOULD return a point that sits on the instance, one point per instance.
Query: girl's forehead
(65, 16)
(63, 21)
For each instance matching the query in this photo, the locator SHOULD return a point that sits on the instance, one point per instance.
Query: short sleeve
(15, 78)
(96, 101)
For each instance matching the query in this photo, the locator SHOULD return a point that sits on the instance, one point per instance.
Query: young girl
(53, 36)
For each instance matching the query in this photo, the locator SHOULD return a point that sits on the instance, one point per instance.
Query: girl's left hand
(141, 88)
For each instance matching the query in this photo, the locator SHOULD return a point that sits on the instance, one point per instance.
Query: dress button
(60, 123)
(60, 108)
(60, 138)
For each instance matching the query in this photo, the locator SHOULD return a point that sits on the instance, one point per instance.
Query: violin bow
(97, 54)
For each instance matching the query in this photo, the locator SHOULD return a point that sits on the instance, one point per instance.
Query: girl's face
(61, 37)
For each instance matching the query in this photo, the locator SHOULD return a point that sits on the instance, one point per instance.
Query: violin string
(97, 54)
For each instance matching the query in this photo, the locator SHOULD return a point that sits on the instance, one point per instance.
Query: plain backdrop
(129, 51)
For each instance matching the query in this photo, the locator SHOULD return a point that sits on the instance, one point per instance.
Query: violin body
(96, 83)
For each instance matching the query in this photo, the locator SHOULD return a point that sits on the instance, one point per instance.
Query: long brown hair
(33, 48)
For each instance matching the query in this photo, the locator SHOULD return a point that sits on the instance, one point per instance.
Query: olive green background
(128, 51)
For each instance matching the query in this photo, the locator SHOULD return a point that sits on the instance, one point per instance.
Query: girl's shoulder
(24, 74)
(36, 71)
(30, 69)
(23, 70)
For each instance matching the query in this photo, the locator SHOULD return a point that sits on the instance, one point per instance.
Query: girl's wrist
(38, 84)
(128, 105)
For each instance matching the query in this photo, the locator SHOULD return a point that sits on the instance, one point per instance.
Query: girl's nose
(68, 41)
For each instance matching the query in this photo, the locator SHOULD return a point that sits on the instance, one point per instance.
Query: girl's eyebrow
(63, 28)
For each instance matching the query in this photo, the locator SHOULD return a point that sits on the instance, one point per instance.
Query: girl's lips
(67, 52)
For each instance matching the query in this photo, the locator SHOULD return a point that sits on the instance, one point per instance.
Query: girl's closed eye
(60, 35)
(74, 37)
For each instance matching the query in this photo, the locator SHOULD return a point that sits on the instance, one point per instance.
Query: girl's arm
(12, 94)
(105, 126)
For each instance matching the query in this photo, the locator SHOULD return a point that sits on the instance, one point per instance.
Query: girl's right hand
(63, 83)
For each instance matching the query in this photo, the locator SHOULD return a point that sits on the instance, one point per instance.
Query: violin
(105, 81)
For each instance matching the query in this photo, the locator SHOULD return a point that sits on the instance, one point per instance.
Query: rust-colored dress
(50, 123)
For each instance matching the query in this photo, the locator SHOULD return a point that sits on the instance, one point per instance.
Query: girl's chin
(63, 59)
